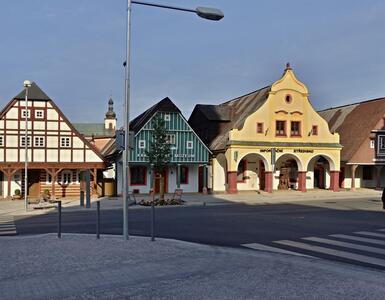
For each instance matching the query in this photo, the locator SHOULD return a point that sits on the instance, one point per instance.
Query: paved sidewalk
(81, 267)
(16, 208)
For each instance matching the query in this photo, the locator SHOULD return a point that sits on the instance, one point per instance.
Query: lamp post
(203, 12)
(27, 84)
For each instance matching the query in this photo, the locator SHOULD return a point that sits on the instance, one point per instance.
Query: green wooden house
(189, 155)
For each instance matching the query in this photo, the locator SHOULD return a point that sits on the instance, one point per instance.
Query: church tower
(110, 119)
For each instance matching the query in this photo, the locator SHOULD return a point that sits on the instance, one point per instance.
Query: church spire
(110, 119)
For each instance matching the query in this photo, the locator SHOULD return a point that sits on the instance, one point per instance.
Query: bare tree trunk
(161, 187)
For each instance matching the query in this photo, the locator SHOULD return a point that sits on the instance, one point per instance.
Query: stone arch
(319, 168)
(286, 171)
(251, 172)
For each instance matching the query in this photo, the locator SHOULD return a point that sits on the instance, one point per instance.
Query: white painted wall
(193, 179)
(218, 175)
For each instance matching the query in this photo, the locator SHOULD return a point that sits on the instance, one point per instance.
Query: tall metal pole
(26, 150)
(126, 152)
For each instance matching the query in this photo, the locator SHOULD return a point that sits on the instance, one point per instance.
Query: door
(34, 183)
(200, 179)
(342, 178)
(1, 183)
(319, 177)
(157, 181)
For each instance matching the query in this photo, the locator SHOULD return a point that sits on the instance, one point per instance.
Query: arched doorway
(251, 173)
(286, 172)
(319, 171)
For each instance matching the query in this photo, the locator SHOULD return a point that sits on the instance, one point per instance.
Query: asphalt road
(229, 225)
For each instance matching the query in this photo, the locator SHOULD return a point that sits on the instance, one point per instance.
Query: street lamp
(203, 12)
(27, 84)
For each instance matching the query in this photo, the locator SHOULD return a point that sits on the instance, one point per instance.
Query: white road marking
(7, 226)
(359, 239)
(346, 245)
(332, 252)
(262, 247)
(375, 234)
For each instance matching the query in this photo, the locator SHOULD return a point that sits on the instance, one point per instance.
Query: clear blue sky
(74, 50)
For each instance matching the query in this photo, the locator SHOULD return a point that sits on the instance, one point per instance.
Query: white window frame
(167, 117)
(39, 111)
(171, 138)
(372, 144)
(64, 174)
(1, 140)
(142, 144)
(22, 141)
(65, 144)
(39, 139)
(28, 113)
(189, 145)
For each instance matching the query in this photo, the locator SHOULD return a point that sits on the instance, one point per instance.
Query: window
(371, 144)
(23, 113)
(138, 175)
(65, 142)
(170, 138)
(22, 141)
(241, 171)
(295, 129)
(280, 129)
(189, 145)
(288, 98)
(367, 173)
(66, 177)
(167, 117)
(184, 175)
(39, 141)
(142, 144)
(259, 127)
(314, 130)
(1, 140)
(39, 114)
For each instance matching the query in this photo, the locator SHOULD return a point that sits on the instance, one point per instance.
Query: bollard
(59, 225)
(98, 220)
(152, 221)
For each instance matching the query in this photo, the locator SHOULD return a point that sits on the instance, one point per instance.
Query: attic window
(288, 98)
(167, 117)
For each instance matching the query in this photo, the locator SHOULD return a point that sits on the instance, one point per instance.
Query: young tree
(159, 153)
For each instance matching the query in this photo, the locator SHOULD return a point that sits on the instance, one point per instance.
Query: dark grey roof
(165, 105)
(234, 112)
(34, 93)
(215, 112)
(93, 129)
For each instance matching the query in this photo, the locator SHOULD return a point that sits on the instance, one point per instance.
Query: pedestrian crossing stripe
(346, 245)
(262, 247)
(7, 226)
(374, 234)
(333, 252)
(358, 239)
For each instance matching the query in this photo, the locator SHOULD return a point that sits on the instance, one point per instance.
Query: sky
(74, 50)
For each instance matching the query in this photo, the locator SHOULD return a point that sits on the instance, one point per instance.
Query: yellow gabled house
(269, 139)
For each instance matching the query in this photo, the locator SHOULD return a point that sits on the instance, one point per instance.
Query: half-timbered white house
(57, 152)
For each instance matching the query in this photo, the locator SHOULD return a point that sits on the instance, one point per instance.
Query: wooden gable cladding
(186, 147)
(52, 138)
